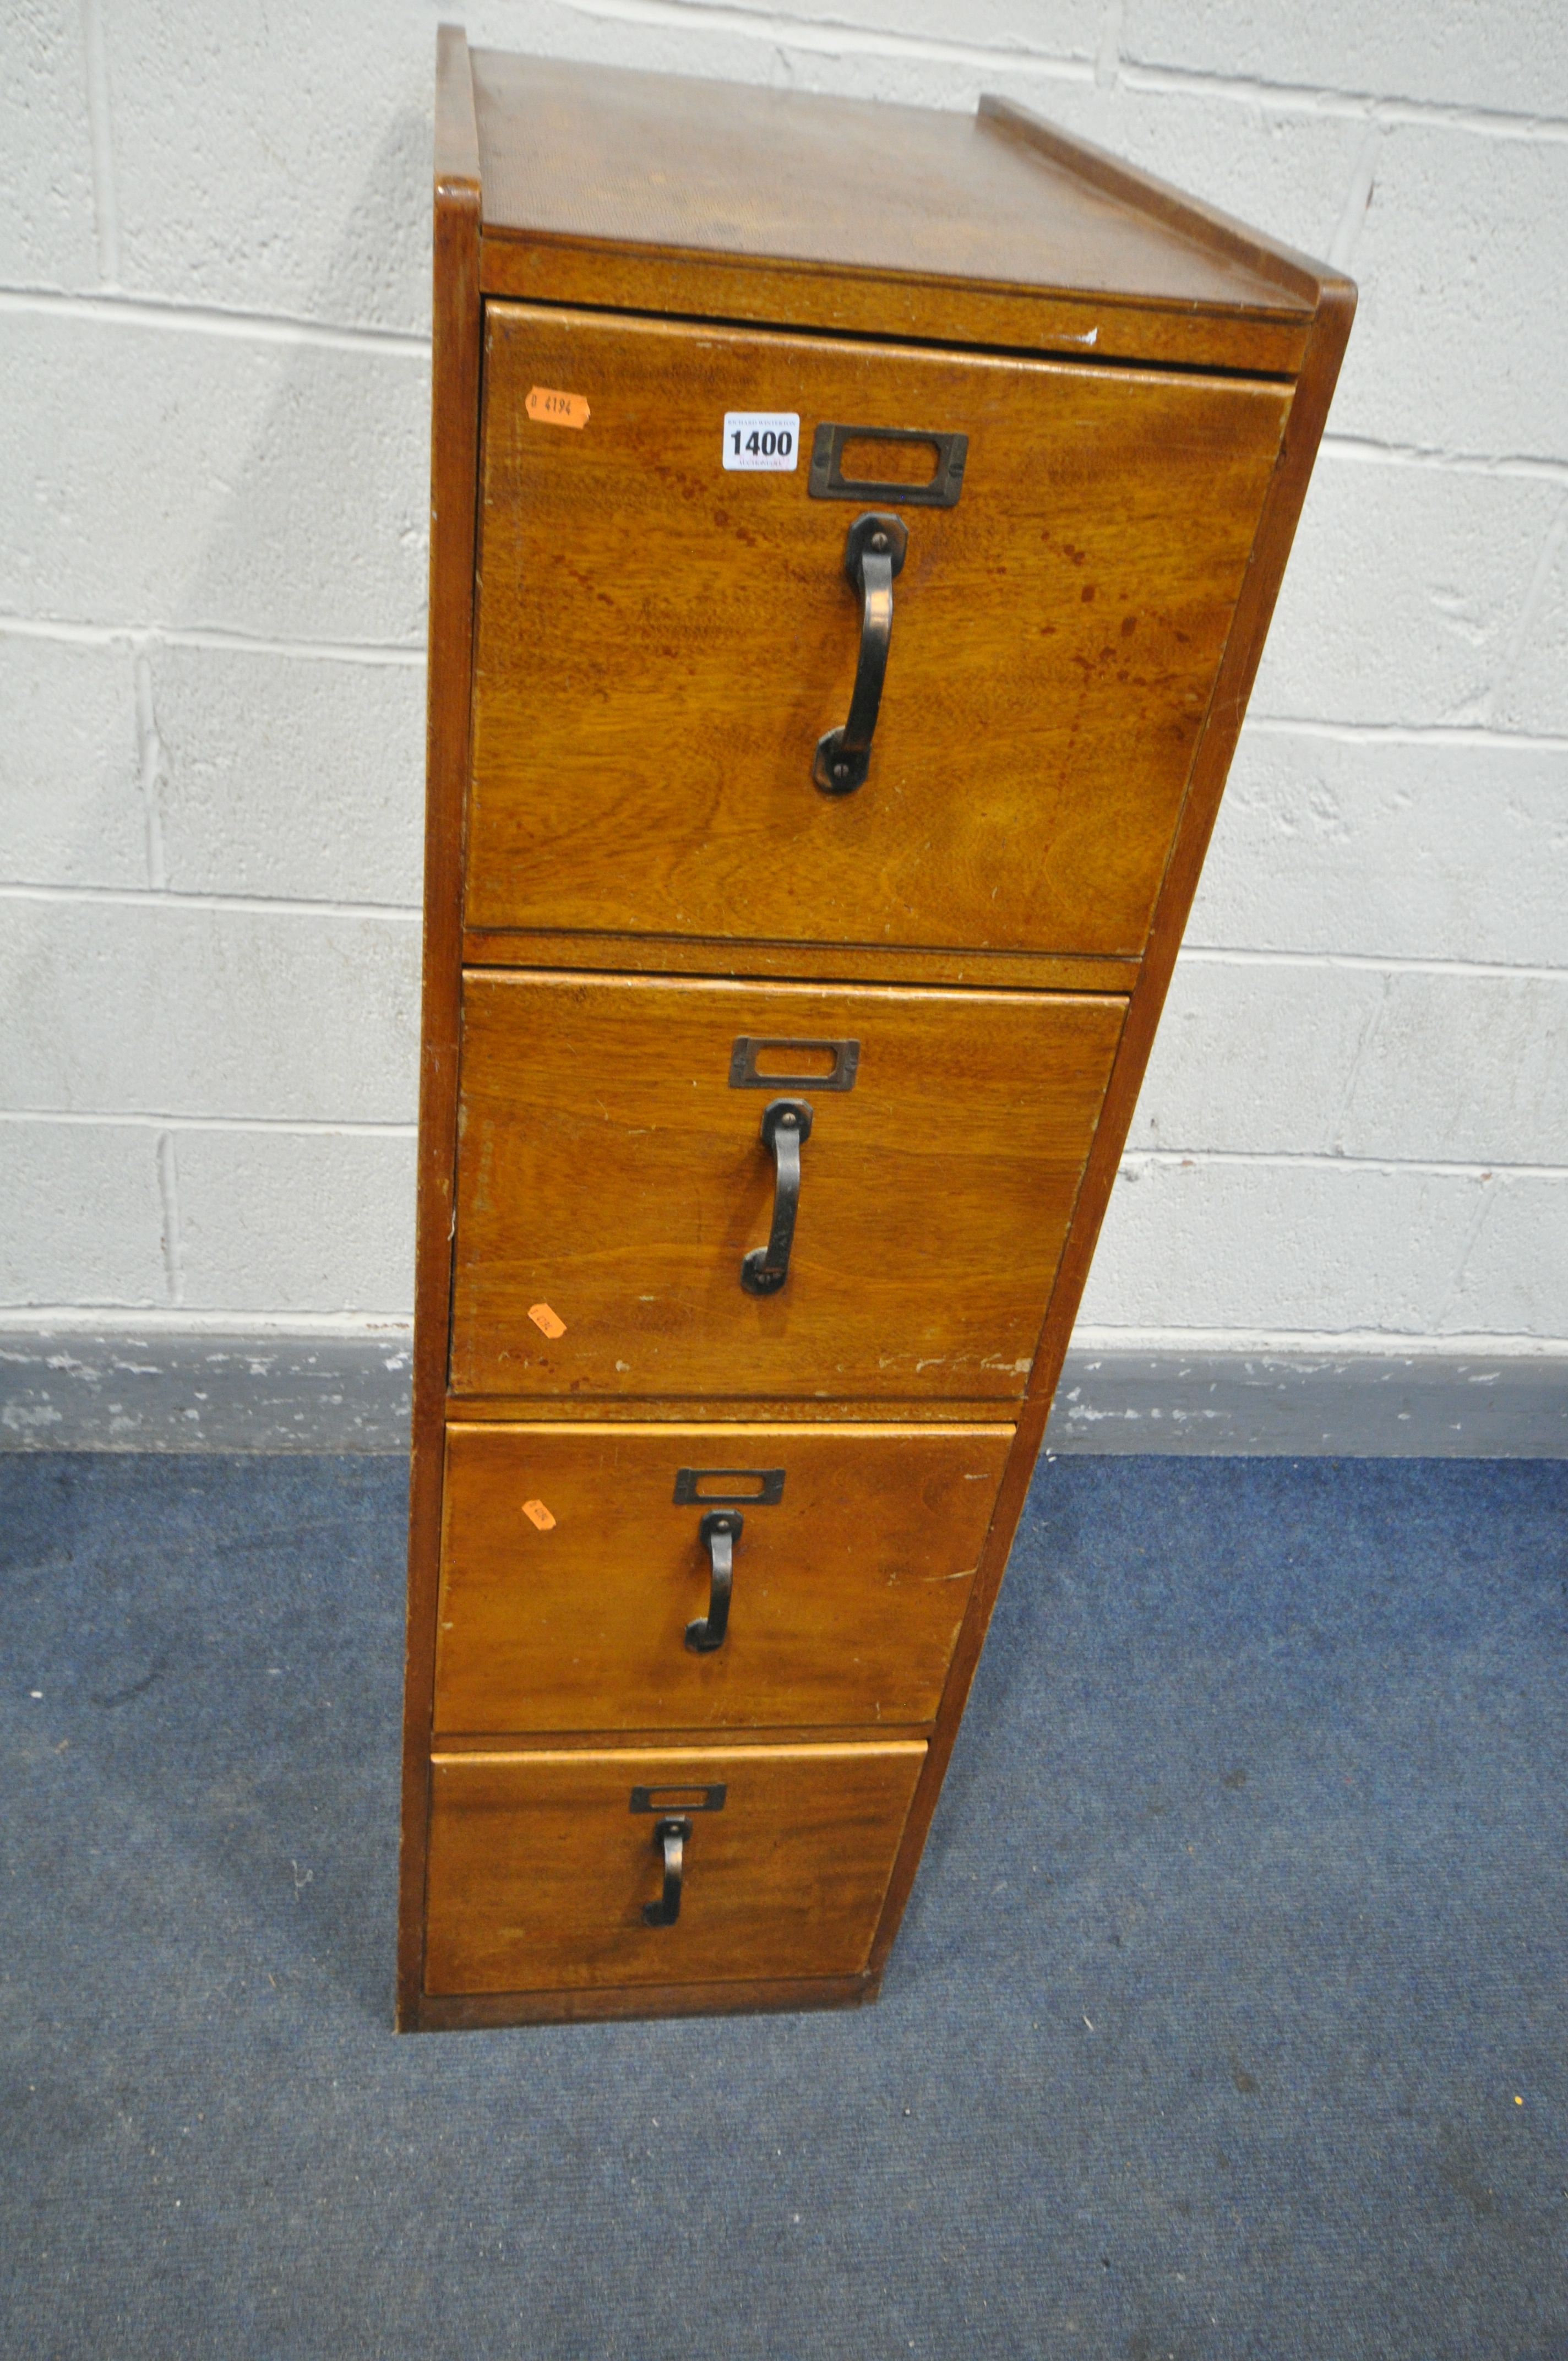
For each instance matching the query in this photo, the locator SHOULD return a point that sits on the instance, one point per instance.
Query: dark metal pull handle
(720, 1530)
(670, 1841)
(873, 554)
(787, 1123)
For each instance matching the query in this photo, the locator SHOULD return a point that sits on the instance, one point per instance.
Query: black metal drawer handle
(787, 1123)
(720, 1530)
(873, 554)
(670, 1841)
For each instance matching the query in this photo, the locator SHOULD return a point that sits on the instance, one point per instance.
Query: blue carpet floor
(1229, 2017)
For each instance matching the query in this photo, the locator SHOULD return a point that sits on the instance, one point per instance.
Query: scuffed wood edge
(893, 307)
(454, 447)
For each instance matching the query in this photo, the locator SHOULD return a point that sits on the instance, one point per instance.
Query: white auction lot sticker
(762, 438)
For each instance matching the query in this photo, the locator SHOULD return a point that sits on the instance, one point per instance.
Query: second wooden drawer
(614, 1184)
(575, 1559)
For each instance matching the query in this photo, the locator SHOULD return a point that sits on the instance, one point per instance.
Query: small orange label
(551, 408)
(538, 1514)
(550, 1322)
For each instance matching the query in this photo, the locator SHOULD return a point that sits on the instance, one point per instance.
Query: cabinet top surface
(604, 155)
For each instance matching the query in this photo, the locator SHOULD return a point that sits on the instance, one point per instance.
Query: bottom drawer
(543, 1867)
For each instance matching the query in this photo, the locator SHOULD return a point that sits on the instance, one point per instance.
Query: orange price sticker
(550, 407)
(538, 1514)
(549, 1323)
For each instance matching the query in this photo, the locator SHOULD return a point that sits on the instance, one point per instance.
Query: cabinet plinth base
(486, 2011)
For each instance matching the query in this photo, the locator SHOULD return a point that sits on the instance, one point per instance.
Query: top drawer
(662, 640)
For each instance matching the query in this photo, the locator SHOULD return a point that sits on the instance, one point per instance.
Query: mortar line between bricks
(195, 319)
(280, 327)
(1214, 954)
(1108, 43)
(122, 1323)
(243, 905)
(114, 635)
(1498, 1169)
(169, 1197)
(840, 36)
(145, 637)
(1367, 451)
(153, 773)
(1357, 1343)
(131, 1321)
(1307, 98)
(1408, 733)
(105, 208)
(834, 36)
(311, 1126)
(1371, 963)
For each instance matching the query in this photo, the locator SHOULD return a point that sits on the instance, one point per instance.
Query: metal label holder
(827, 481)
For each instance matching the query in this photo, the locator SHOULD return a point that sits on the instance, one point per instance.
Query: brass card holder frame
(827, 481)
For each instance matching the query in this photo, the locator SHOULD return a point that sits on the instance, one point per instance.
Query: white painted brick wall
(213, 372)
(47, 233)
(244, 1246)
(175, 474)
(1533, 695)
(1337, 841)
(285, 776)
(175, 1006)
(1408, 590)
(81, 1214)
(1358, 1059)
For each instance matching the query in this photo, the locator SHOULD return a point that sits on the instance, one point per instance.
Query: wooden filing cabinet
(853, 535)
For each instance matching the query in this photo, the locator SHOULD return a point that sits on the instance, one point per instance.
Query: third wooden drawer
(576, 1563)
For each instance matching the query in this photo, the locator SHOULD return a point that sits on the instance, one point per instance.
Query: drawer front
(541, 1869)
(662, 641)
(582, 1568)
(612, 1177)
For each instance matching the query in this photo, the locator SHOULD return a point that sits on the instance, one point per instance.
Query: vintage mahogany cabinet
(854, 531)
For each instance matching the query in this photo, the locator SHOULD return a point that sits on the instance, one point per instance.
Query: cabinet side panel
(1271, 548)
(454, 423)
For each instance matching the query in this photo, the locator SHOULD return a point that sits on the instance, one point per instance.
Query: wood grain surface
(628, 1734)
(478, 2012)
(682, 161)
(505, 1410)
(609, 1172)
(916, 306)
(661, 643)
(453, 460)
(794, 963)
(849, 1590)
(538, 1870)
(1159, 206)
